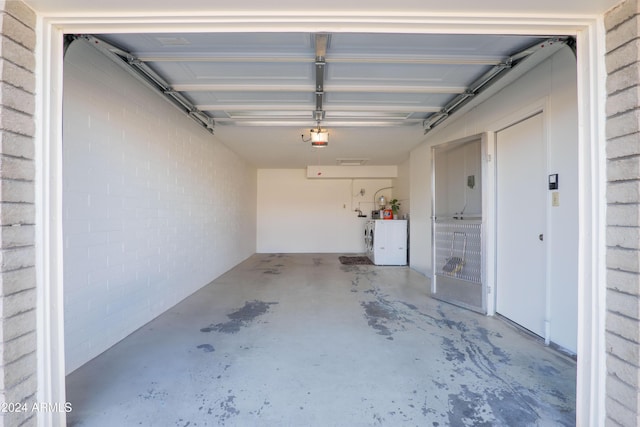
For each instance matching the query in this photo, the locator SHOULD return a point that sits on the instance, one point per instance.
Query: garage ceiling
(377, 94)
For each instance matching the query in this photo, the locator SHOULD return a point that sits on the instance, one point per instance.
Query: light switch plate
(555, 198)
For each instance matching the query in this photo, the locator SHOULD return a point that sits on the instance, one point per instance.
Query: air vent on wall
(352, 172)
(351, 162)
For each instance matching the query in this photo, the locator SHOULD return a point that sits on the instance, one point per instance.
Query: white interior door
(521, 221)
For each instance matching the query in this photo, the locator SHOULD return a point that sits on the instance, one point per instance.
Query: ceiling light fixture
(319, 137)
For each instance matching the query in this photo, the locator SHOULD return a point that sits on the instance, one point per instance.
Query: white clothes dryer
(386, 241)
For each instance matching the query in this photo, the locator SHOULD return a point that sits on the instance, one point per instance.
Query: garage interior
(217, 211)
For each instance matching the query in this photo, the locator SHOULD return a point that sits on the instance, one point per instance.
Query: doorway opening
(51, 343)
(458, 223)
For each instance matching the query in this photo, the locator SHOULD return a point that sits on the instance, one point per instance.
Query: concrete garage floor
(301, 340)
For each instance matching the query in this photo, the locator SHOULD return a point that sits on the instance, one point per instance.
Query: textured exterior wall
(623, 214)
(18, 380)
(154, 207)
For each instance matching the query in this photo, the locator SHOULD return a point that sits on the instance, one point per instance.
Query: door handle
(541, 237)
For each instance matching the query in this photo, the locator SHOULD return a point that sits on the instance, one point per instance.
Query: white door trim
(589, 32)
(49, 244)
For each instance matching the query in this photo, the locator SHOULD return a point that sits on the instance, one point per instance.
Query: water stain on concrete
(266, 267)
(225, 409)
(228, 406)
(207, 348)
(387, 317)
(317, 262)
(468, 408)
(349, 268)
(459, 381)
(265, 405)
(451, 351)
(383, 316)
(488, 400)
(560, 396)
(378, 419)
(241, 317)
(439, 385)
(355, 283)
(153, 394)
(377, 316)
(411, 306)
(484, 336)
(358, 270)
(362, 278)
(547, 370)
(510, 409)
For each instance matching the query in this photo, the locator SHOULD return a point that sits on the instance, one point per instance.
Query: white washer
(368, 239)
(386, 241)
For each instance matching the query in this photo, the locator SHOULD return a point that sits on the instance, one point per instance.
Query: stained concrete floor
(301, 340)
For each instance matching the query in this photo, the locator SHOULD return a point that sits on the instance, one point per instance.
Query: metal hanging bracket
(144, 73)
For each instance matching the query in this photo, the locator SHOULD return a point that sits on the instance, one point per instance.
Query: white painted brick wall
(623, 192)
(623, 169)
(623, 259)
(621, 79)
(624, 237)
(620, 33)
(623, 349)
(154, 207)
(621, 392)
(623, 124)
(623, 214)
(619, 414)
(623, 100)
(625, 304)
(623, 55)
(622, 325)
(624, 146)
(18, 380)
(624, 281)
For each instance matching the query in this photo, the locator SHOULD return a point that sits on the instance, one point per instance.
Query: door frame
(488, 196)
(590, 35)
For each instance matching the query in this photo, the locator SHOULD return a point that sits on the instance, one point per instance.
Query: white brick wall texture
(623, 214)
(18, 379)
(154, 207)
